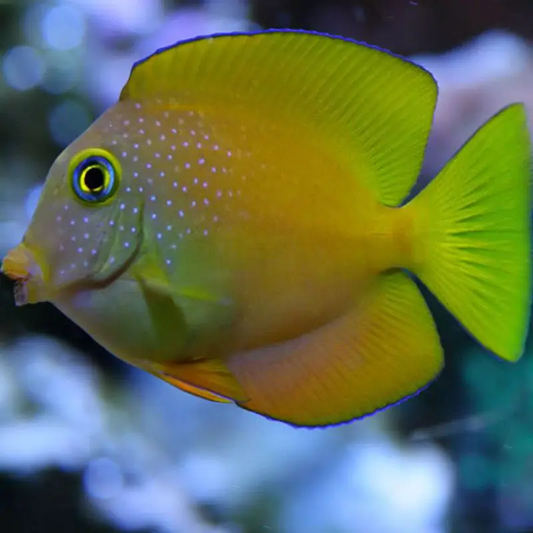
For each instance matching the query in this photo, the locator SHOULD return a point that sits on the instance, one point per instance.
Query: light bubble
(63, 27)
(68, 120)
(23, 67)
(103, 478)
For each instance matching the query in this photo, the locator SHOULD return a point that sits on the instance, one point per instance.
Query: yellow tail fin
(473, 239)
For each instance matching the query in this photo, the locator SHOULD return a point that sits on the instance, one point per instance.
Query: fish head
(87, 226)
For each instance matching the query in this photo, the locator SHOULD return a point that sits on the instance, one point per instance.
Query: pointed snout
(19, 264)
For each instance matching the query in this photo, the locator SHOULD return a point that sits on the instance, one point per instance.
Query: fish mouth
(21, 266)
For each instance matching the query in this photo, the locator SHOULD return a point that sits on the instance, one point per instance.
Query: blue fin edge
(275, 30)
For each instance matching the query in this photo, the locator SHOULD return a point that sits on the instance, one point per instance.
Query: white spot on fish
(122, 207)
(72, 222)
(126, 244)
(154, 216)
(153, 198)
(201, 161)
(159, 236)
(169, 202)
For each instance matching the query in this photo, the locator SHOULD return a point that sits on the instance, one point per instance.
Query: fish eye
(94, 176)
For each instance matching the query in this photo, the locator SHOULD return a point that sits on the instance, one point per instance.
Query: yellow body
(233, 226)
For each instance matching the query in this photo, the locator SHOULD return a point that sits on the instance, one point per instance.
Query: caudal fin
(473, 245)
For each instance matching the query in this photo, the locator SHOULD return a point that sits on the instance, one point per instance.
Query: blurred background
(90, 445)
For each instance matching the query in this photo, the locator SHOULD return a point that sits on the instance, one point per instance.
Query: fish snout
(21, 266)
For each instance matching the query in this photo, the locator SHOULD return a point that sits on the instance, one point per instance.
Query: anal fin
(383, 350)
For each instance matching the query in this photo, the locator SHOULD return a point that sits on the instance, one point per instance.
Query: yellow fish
(235, 224)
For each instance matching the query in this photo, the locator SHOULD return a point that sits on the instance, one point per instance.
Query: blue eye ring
(95, 176)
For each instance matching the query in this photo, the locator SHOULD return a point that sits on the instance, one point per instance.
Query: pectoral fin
(201, 312)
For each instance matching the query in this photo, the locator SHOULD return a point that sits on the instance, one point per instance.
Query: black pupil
(94, 178)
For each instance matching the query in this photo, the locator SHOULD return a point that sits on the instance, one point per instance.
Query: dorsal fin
(373, 108)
